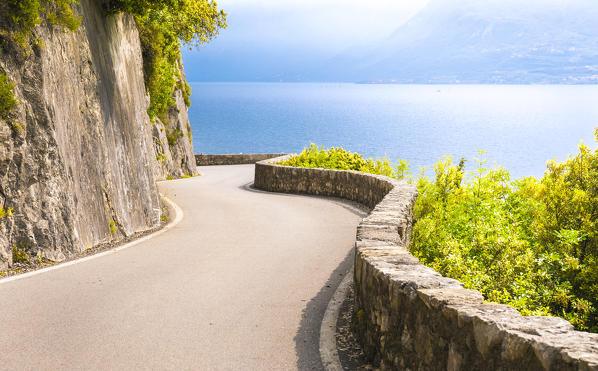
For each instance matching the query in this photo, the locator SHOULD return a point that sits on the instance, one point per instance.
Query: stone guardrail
(238, 159)
(407, 316)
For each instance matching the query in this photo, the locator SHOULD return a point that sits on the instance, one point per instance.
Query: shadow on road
(354, 207)
(307, 340)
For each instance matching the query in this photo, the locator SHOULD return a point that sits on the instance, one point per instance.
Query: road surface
(241, 283)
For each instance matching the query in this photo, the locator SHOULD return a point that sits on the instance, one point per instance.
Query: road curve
(241, 283)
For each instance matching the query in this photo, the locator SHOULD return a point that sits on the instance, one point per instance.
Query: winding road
(241, 283)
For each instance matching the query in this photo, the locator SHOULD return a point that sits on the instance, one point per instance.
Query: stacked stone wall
(239, 159)
(407, 316)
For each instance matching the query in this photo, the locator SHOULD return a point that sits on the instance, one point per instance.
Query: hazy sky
(326, 25)
(364, 40)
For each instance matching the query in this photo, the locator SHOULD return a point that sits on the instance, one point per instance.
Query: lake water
(519, 127)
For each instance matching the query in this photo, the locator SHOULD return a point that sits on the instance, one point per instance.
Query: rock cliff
(78, 162)
(173, 140)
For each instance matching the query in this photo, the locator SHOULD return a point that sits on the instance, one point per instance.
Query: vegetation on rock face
(7, 99)
(18, 18)
(24, 15)
(163, 25)
(5, 213)
(20, 256)
(530, 243)
(173, 137)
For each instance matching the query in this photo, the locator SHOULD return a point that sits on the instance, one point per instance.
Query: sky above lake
(406, 41)
(302, 29)
(319, 24)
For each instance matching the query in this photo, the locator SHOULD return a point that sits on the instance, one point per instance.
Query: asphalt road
(241, 283)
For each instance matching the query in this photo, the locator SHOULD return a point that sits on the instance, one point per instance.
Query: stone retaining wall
(238, 159)
(407, 316)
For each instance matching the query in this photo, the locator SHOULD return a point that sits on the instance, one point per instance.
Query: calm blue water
(519, 127)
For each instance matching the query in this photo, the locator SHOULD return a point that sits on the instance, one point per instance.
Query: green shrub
(530, 243)
(8, 102)
(338, 158)
(112, 227)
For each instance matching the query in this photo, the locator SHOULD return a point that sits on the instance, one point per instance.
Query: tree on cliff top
(193, 21)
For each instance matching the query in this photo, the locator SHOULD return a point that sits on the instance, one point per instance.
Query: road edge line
(328, 351)
(179, 215)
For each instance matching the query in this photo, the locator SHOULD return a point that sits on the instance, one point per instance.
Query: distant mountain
(467, 41)
(486, 41)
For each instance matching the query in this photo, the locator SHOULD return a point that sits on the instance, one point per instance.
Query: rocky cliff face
(173, 141)
(78, 163)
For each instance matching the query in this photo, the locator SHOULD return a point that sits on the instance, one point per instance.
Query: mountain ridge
(448, 41)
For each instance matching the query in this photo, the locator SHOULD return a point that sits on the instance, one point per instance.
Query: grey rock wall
(78, 155)
(234, 159)
(409, 317)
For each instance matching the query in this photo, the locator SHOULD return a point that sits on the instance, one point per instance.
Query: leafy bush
(530, 243)
(337, 158)
(7, 99)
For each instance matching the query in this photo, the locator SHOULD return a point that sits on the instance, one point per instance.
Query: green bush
(8, 102)
(530, 243)
(338, 158)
